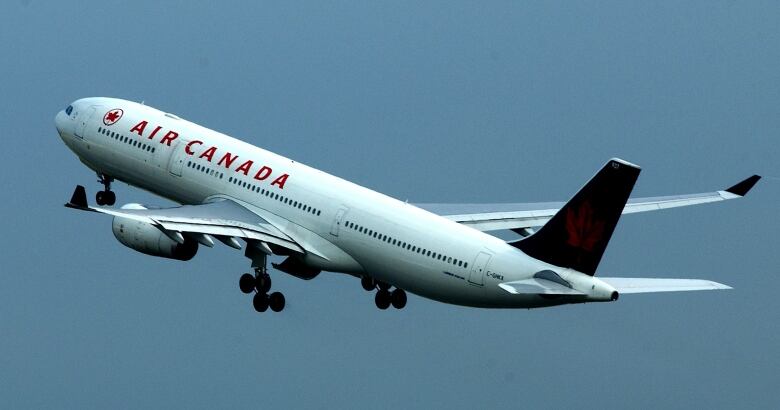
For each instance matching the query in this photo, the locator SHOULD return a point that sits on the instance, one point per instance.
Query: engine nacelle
(145, 238)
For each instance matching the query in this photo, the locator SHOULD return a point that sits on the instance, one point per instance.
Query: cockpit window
(69, 110)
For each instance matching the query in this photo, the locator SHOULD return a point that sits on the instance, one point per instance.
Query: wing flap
(537, 286)
(652, 285)
(225, 230)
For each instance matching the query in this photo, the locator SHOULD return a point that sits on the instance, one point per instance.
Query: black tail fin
(577, 236)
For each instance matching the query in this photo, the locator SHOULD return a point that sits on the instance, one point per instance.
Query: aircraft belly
(436, 284)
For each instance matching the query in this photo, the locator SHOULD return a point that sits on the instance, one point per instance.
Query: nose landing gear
(106, 196)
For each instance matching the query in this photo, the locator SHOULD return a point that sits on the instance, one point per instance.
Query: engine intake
(146, 238)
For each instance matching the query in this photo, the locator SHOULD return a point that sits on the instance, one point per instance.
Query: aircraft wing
(223, 219)
(493, 217)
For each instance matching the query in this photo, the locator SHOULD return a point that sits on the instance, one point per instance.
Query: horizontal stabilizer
(79, 199)
(650, 285)
(537, 286)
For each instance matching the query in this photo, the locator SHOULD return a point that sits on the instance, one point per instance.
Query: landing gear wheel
(398, 298)
(260, 302)
(246, 283)
(382, 299)
(276, 301)
(105, 197)
(110, 198)
(367, 283)
(263, 283)
(100, 198)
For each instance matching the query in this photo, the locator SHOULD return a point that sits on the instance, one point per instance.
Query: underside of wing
(494, 217)
(538, 286)
(224, 219)
(652, 285)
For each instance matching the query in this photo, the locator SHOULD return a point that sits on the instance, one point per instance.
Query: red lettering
(245, 167)
(228, 159)
(280, 181)
(170, 136)
(263, 173)
(209, 153)
(154, 132)
(188, 149)
(139, 128)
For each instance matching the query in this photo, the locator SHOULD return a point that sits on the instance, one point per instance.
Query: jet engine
(145, 238)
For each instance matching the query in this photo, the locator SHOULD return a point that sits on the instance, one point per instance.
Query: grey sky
(434, 102)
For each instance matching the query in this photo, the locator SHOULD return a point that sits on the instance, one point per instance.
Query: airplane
(248, 198)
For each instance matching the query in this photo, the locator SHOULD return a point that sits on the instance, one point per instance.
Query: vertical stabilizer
(577, 236)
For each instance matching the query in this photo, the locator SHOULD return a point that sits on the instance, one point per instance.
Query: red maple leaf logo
(112, 116)
(584, 231)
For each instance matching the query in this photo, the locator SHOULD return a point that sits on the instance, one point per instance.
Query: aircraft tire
(276, 301)
(367, 283)
(382, 299)
(100, 198)
(398, 298)
(110, 198)
(246, 283)
(263, 283)
(260, 302)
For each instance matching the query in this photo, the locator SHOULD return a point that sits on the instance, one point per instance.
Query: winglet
(744, 187)
(79, 199)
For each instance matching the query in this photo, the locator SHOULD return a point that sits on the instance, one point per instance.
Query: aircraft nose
(59, 120)
(62, 122)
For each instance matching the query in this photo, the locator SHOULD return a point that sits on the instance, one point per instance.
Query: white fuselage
(360, 230)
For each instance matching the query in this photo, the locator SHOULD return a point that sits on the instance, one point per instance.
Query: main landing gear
(260, 284)
(106, 196)
(384, 297)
